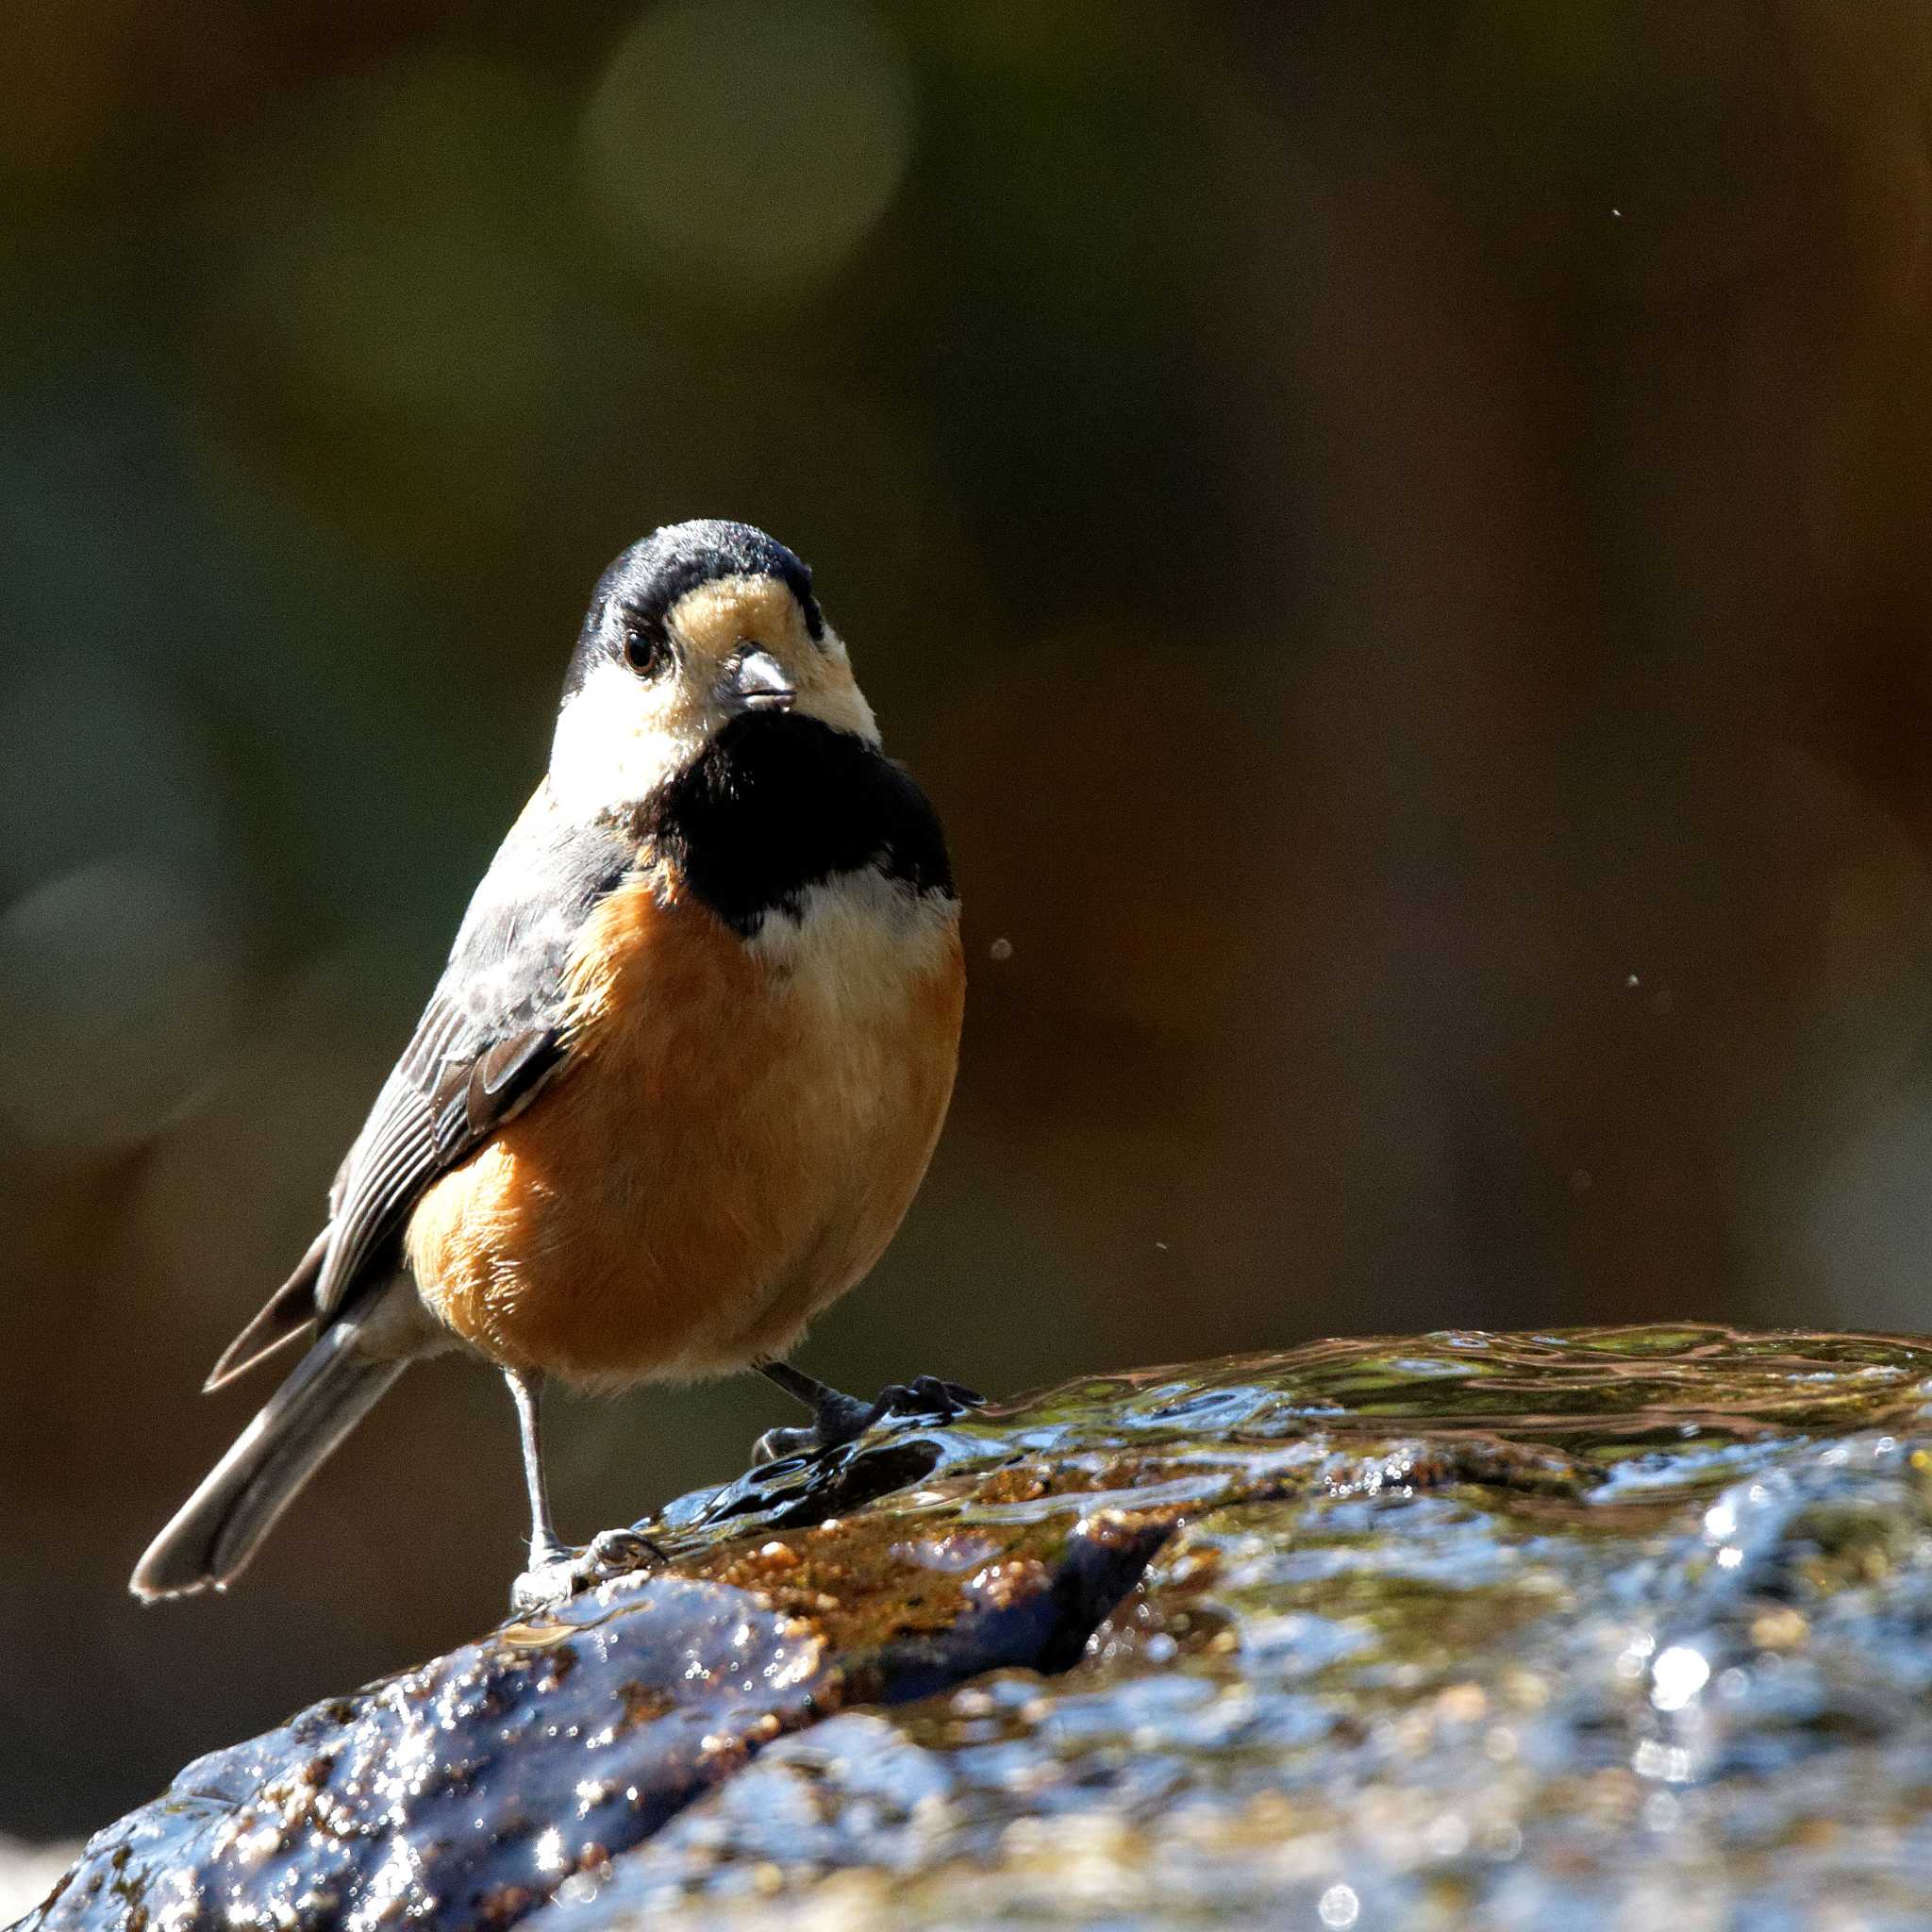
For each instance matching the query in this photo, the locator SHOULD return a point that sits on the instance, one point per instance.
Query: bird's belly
(739, 1133)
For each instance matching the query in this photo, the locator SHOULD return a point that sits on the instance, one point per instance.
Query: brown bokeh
(1396, 533)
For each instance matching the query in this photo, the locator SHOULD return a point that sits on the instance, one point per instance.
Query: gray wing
(491, 1035)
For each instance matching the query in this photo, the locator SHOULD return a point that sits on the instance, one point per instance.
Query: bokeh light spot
(398, 260)
(1678, 1674)
(449, 327)
(753, 144)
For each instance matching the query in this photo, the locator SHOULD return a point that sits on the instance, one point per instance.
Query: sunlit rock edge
(1547, 1628)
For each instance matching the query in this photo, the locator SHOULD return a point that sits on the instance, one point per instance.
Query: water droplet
(1339, 1907)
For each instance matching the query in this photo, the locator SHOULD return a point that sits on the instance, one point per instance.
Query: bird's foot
(839, 1418)
(556, 1573)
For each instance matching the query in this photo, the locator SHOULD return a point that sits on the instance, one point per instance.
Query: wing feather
(494, 1030)
(283, 1317)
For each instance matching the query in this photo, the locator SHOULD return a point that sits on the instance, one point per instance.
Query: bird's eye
(642, 652)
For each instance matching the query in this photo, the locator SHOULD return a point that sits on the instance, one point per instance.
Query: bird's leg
(555, 1570)
(526, 1392)
(838, 1418)
(834, 1417)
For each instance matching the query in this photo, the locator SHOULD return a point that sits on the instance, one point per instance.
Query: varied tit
(683, 1073)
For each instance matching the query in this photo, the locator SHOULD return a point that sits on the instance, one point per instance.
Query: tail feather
(215, 1532)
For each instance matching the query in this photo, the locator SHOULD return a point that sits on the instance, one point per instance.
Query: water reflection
(1540, 1700)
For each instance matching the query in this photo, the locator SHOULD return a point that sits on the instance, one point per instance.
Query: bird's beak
(755, 681)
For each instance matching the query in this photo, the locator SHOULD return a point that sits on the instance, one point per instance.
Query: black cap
(647, 582)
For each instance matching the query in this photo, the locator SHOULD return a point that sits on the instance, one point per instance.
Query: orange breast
(734, 1139)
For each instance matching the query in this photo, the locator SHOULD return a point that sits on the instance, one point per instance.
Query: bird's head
(699, 625)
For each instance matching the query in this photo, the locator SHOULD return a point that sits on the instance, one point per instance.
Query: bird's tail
(215, 1532)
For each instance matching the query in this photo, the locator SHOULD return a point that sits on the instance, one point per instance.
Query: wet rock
(1619, 1627)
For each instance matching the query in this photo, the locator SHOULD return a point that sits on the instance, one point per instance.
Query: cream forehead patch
(717, 617)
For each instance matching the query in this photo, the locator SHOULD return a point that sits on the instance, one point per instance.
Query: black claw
(839, 1418)
(617, 1550)
(927, 1395)
(943, 1398)
(781, 1445)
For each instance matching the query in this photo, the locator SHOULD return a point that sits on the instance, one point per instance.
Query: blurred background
(1394, 530)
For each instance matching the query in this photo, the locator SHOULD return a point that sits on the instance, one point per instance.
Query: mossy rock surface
(1612, 1626)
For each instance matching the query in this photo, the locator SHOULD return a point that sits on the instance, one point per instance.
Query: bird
(675, 1088)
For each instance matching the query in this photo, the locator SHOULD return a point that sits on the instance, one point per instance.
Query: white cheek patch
(619, 737)
(829, 693)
